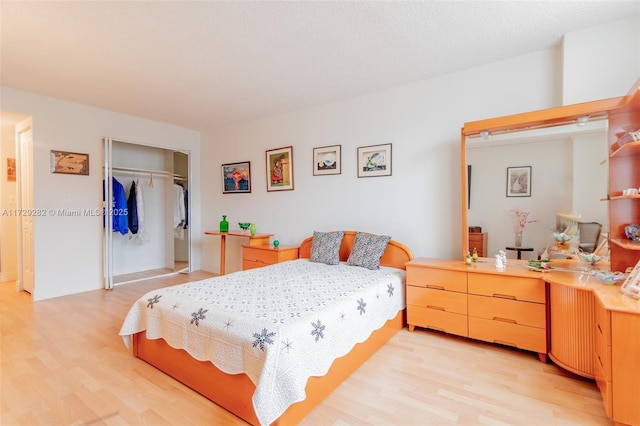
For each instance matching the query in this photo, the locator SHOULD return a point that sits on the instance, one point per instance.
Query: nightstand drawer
(514, 311)
(507, 287)
(438, 320)
(437, 278)
(446, 301)
(520, 336)
(253, 254)
(258, 256)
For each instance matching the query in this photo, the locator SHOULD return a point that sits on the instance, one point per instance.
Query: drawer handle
(600, 329)
(504, 296)
(500, 342)
(505, 320)
(437, 308)
(437, 287)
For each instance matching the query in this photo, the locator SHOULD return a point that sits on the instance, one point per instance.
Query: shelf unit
(624, 172)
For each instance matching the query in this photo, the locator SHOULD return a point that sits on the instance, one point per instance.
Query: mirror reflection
(568, 172)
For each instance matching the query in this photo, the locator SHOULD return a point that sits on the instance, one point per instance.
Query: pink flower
(520, 219)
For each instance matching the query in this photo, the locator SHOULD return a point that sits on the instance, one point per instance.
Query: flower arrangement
(520, 218)
(561, 237)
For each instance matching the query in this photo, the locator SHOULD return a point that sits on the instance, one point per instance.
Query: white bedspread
(279, 324)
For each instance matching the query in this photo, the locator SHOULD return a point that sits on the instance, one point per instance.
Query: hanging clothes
(178, 211)
(142, 236)
(186, 208)
(132, 206)
(119, 210)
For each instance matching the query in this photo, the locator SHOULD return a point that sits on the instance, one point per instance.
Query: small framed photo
(72, 163)
(11, 169)
(374, 160)
(327, 160)
(236, 178)
(519, 181)
(280, 169)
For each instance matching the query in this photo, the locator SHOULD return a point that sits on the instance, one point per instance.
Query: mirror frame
(525, 121)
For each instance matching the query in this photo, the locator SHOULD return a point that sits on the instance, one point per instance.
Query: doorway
(16, 235)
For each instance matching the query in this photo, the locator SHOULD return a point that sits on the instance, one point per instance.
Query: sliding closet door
(107, 203)
(157, 246)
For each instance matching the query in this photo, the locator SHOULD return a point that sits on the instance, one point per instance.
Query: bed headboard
(395, 256)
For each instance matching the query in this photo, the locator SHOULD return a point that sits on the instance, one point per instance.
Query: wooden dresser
(263, 255)
(478, 240)
(477, 301)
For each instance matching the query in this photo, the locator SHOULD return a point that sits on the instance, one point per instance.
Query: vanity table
(593, 329)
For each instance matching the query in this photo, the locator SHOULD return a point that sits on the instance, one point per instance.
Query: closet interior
(152, 238)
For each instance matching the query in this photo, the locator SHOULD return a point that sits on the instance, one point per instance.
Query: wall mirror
(566, 174)
(566, 149)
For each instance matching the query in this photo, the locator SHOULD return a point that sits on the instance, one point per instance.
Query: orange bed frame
(234, 391)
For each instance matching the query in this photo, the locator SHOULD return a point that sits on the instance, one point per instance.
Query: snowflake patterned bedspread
(279, 324)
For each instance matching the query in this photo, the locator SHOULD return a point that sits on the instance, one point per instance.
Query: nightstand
(259, 256)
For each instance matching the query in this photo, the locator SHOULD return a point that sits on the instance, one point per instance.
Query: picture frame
(279, 168)
(519, 181)
(236, 177)
(374, 160)
(327, 160)
(70, 163)
(11, 169)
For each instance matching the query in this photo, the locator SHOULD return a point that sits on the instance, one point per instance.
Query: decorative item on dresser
(505, 307)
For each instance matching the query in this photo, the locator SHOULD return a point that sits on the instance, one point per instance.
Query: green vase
(224, 225)
(252, 229)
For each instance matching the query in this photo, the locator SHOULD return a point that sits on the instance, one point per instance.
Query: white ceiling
(212, 63)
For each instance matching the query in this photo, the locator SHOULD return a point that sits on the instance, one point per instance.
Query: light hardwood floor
(63, 363)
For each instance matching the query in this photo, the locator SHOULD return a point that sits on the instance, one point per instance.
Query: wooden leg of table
(223, 250)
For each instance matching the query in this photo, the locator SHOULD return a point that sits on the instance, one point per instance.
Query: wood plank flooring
(63, 363)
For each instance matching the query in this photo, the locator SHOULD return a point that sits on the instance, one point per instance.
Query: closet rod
(133, 171)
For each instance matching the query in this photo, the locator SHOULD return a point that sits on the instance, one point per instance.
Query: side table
(520, 250)
(254, 240)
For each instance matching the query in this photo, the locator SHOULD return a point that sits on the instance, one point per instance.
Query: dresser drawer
(438, 320)
(507, 287)
(513, 311)
(437, 279)
(603, 322)
(605, 387)
(520, 336)
(260, 256)
(448, 301)
(603, 357)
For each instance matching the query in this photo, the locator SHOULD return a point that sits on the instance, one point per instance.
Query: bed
(277, 351)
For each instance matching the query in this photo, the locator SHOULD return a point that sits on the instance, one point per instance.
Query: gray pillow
(325, 247)
(367, 250)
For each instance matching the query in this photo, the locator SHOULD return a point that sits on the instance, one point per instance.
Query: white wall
(602, 61)
(68, 250)
(419, 204)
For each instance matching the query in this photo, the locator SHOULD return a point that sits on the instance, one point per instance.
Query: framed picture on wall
(280, 169)
(11, 169)
(327, 160)
(236, 178)
(519, 181)
(374, 160)
(72, 163)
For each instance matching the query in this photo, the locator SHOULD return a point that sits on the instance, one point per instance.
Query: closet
(158, 242)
